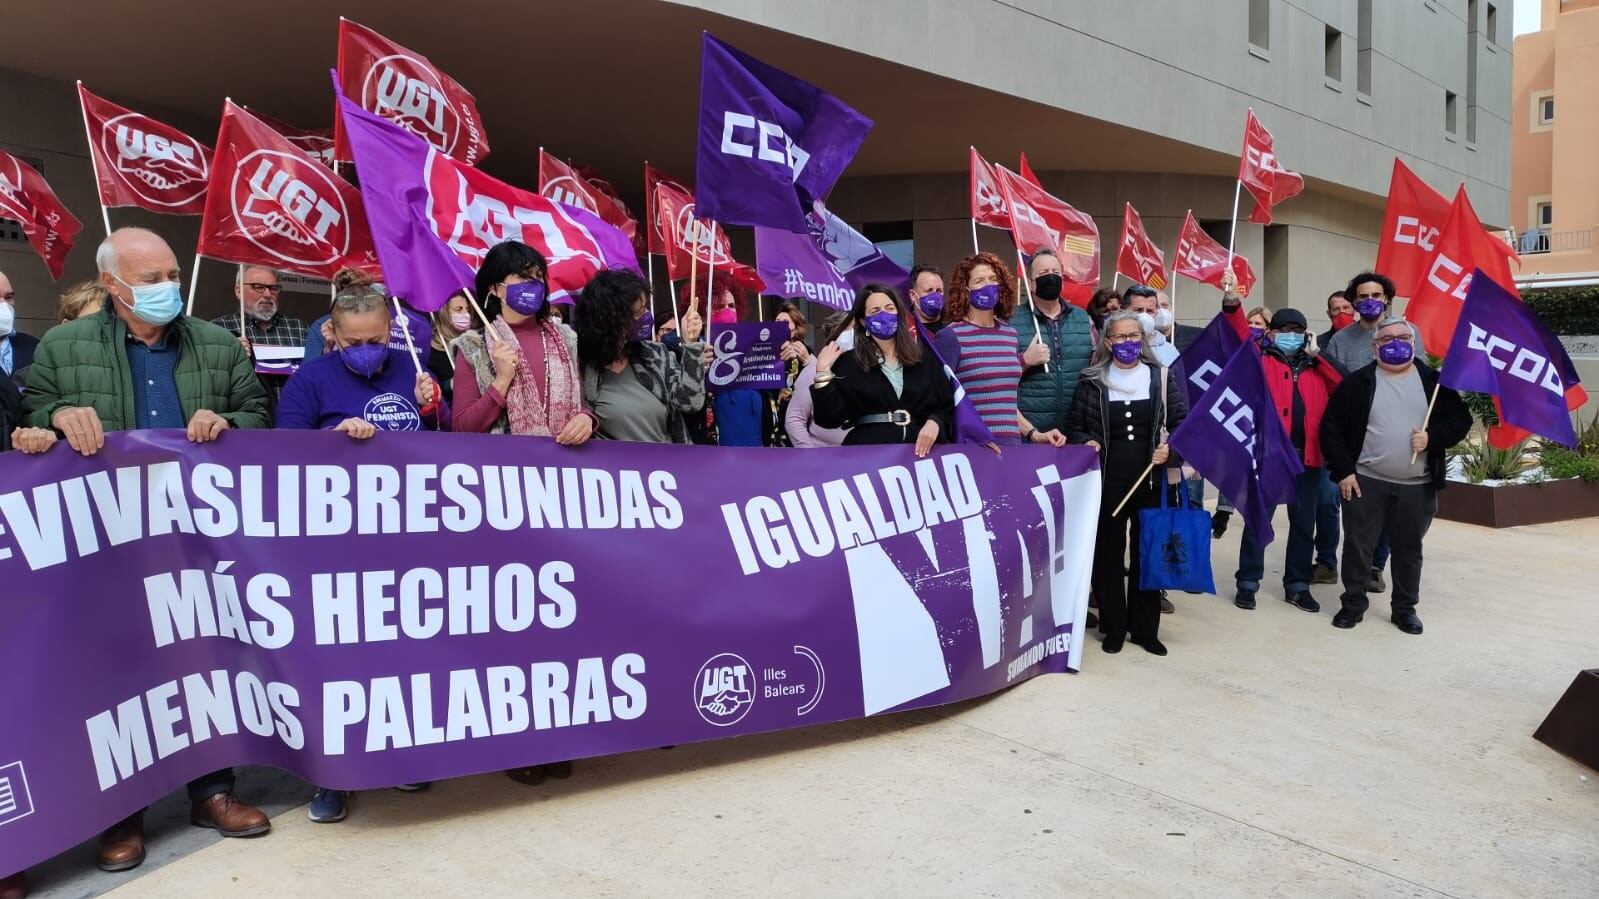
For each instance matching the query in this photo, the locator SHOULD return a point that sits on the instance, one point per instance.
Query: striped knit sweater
(989, 368)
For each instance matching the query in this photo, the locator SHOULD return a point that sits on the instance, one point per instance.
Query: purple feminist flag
(826, 264)
(416, 264)
(1501, 348)
(747, 354)
(1234, 438)
(1207, 356)
(769, 143)
(422, 606)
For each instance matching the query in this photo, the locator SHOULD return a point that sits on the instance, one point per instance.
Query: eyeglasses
(1402, 338)
(1125, 338)
(264, 288)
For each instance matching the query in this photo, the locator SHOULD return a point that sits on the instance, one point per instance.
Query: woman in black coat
(885, 387)
(1125, 405)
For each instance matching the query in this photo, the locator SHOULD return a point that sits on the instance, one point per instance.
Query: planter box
(1511, 505)
(1572, 727)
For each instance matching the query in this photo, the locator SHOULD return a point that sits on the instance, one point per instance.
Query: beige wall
(1559, 162)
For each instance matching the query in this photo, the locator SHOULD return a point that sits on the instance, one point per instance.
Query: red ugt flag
(565, 184)
(316, 142)
(1463, 245)
(1038, 219)
(685, 237)
(26, 197)
(612, 209)
(1202, 259)
(141, 162)
(402, 86)
(988, 199)
(1263, 176)
(1139, 258)
(1411, 224)
(271, 204)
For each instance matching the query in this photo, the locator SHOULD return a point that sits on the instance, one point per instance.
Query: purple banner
(826, 264)
(747, 354)
(383, 616)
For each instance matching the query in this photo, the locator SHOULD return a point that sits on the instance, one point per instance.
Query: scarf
(527, 411)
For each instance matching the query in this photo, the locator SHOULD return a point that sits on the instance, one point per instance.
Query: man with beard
(257, 290)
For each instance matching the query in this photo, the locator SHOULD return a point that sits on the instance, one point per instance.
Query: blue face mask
(365, 359)
(1289, 343)
(157, 304)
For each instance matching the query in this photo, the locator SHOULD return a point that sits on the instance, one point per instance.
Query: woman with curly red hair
(981, 347)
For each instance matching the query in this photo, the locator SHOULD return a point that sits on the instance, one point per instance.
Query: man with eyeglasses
(257, 290)
(1387, 456)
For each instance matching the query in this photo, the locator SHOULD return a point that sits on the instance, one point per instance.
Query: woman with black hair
(518, 376)
(876, 380)
(639, 390)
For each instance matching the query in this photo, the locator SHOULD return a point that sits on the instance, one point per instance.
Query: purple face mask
(365, 359)
(931, 304)
(1397, 352)
(1127, 352)
(882, 325)
(1256, 333)
(527, 298)
(986, 297)
(1370, 310)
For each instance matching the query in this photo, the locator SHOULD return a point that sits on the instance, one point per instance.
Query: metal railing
(1543, 240)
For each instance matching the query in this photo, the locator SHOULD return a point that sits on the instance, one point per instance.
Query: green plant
(1481, 461)
(1566, 310)
(1560, 462)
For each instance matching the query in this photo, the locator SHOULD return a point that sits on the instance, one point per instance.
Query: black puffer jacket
(1091, 409)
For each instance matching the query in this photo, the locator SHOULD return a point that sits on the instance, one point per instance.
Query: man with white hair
(257, 290)
(139, 363)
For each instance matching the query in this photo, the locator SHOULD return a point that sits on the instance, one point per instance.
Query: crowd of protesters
(503, 359)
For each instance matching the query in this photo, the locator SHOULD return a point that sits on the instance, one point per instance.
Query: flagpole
(649, 265)
(1426, 419)
(1137, 482)
(1032, 307)
(710, 272)
(693, 272)
(1115, 281)
(975, 251)
(88, 135)
(194, 279)
(405, 328)
(1232, 237)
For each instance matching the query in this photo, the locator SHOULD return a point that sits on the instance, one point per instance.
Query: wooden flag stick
(405, 328)
(1427, 418)
(1139, 482)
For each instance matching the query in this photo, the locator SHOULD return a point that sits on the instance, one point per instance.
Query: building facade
(1554, 189)
(1139, 101)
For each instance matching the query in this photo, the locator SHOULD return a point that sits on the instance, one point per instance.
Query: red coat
(1315, 384)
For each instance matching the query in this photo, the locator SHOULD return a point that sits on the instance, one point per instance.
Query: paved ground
(1269, 754)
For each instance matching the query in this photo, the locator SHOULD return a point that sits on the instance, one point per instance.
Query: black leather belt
(898, 417)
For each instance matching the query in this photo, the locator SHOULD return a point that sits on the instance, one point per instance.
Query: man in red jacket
(1300, 382)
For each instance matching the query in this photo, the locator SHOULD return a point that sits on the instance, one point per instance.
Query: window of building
(1363, 48)
(1333, 55)
(1545, 109)
(1450, 111)
(11, 231)
(1544, 216)
(1260, 23)
(1492, 25)
(1472, 40)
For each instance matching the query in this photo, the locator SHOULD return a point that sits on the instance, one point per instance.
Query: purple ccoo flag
(825, 265)
(769, 143)
(1501, 348)
(1234, 438)
(1207, 356)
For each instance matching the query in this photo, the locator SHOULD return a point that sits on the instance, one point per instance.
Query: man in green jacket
(1056, 342)
(138, 364)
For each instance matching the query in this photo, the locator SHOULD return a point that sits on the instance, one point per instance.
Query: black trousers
(1123, 607)
(1404, 512)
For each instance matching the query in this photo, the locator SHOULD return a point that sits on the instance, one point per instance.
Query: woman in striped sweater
(981, 347)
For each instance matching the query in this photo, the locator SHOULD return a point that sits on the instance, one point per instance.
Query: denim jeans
(1301, 541)
(1327, 515)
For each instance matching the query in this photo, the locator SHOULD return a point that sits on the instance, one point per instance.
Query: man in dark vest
(1050, 335)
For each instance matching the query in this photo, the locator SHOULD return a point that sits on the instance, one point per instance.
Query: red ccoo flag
(317, 143)
(270, 203)
(1139, 258)
(402, 86)
(1463, 245)
(685, 236)
(1026, 171)
(1262, 175)
(1411, 224)
(141, 162)
(1202, 259)
(26, 197)
(988, 199)
(1038, 219)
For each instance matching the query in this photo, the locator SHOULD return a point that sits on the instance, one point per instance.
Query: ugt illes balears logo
(408, 92)
(290, 208)
(163, 170)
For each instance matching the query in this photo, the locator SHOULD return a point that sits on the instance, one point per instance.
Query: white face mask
(1163, 319)
(1147, 322)
(8, 319)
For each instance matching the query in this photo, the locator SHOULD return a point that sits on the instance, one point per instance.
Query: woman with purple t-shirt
(362, 386)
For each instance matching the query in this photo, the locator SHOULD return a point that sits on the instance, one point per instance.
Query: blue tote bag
(1174, 546)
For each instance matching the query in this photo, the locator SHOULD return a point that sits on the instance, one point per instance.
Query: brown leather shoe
(15, 886)
(229, 816)
(122, 845)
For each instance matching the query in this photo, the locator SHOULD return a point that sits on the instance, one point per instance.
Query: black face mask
(1048, 287)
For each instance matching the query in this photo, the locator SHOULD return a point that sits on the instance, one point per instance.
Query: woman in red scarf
(523, 379)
